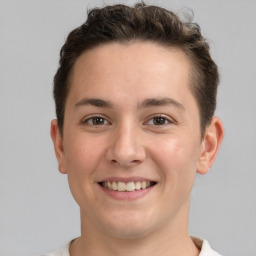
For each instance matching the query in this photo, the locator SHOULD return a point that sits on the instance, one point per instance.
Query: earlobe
(213, 137)
(58, 146)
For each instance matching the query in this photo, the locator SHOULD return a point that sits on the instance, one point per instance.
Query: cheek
(177, 159)
(82, 154)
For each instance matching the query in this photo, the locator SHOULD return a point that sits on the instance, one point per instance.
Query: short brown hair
(121, 23)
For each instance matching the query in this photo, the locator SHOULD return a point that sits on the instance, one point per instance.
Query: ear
(58, 146)
(210, 145)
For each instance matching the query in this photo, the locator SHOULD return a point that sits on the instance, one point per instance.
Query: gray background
(37, 211)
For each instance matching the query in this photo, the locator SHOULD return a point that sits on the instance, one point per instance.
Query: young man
(135, 96)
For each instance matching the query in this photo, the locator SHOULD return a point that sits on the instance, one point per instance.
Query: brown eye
(159, 121)
(96, 120)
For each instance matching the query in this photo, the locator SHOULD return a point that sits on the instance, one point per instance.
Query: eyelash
(89, 121)
(86, 121)
(166, 119)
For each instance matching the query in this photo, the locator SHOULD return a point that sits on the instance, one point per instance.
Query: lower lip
(127, 195)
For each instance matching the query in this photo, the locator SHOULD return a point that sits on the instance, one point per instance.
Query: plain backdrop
(37, 211)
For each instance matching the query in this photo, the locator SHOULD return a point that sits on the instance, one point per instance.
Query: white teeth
(138, 185)
(121, 186)
(130, 186)
(143, 184)
(114, 186)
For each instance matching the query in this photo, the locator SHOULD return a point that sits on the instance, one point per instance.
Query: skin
(128, 141)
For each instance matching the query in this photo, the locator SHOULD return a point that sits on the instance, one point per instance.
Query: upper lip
(126, 179)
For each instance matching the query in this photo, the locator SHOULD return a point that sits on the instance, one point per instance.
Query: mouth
(130, 186)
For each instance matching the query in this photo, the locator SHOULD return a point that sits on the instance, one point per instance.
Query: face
(131, 142)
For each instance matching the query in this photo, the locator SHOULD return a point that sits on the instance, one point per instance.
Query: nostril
(124, 162)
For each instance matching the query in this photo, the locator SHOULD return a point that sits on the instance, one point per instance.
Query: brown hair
(121, 23)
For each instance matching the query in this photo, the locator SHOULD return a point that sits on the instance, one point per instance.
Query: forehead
(127, 76)
(142, 64)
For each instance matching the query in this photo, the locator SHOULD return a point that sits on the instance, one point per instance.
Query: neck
(169, 240)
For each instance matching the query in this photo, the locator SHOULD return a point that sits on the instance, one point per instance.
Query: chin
(128, 233)
(128, 226)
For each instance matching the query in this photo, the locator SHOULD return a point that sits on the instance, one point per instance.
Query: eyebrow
(152, 102)
(94, 102)
(155, 102)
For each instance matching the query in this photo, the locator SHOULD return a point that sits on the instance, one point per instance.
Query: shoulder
(205, 247)
(64, 251)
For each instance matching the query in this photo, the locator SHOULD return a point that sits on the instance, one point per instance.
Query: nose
(126, 148)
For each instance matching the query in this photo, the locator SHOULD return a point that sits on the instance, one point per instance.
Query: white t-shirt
(203, 245)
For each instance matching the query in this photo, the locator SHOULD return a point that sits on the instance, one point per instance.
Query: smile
(126, 187)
